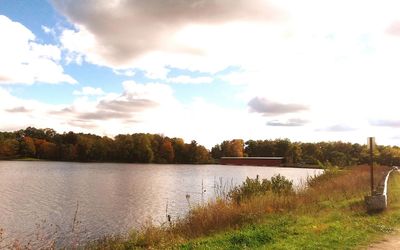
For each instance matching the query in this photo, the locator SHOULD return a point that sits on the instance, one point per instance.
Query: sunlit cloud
(292, 69)
(116, 40)
(24, 60)
(184, 79)
(394, 29)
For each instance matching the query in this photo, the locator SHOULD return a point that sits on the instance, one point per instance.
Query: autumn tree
(233, 148)
(9, 148)
(166, 151)
(27, 147)
(46, 150)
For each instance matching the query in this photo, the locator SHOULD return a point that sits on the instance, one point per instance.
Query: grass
(336, 224)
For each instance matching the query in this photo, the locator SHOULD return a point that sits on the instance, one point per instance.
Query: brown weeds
(332, 187)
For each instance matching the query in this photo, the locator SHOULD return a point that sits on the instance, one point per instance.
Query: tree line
(47, 144)
(327, 153)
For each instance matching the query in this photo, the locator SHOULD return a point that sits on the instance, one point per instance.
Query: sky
(204, 70)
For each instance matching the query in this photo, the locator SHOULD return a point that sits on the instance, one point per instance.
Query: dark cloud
(127, 29)
(295, 122)
(126, 105)
(337, 128)
(266, 107)
(82, 124)
(104, 115)
(64, 111)
(119, 109)
(386, 123)
(20, 109)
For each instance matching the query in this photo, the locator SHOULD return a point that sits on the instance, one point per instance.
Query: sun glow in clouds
(206, 70)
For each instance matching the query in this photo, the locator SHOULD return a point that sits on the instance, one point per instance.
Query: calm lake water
(41, 199)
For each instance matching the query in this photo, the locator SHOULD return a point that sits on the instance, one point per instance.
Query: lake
(43, 199)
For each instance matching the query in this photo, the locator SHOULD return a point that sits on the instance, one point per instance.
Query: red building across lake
(252, 161)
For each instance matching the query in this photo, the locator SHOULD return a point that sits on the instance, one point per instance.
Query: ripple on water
(111, 198)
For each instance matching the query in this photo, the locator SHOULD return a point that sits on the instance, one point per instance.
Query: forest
(47, 144)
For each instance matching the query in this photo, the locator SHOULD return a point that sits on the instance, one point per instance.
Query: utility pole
(371, 143)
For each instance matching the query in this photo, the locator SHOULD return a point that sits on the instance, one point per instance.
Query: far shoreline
(297, 166)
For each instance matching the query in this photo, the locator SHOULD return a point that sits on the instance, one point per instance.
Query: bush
(329, 173)
(281, 185)
(253, 187)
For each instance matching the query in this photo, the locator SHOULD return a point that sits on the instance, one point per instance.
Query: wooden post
(371, 161)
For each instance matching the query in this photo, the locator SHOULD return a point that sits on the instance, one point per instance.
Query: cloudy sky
(204, 70)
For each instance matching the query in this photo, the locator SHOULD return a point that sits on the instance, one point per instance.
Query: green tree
(180, 150)
(142, 152)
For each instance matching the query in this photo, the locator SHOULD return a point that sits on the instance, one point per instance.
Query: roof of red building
(255, 158)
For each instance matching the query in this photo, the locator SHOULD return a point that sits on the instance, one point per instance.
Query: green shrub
(281, 185)
(253, 187)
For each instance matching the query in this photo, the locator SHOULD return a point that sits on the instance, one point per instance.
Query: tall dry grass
(334, 186)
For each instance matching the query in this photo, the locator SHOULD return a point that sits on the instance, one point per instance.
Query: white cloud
(267, 38)
(145, 108)
(25, 61)
(46, 29)
(343, 69)
(127, 72)
(181, 34)
(89, 91)
(110, 113)
(185, 79)
(117, 39)
(152, 91)
(153, 108)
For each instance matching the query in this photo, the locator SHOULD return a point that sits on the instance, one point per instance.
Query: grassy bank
(335, 224)
(330, 214)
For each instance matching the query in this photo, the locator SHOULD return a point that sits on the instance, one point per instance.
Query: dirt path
(389, 242)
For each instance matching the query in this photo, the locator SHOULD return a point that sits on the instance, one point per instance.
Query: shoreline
(215, 163)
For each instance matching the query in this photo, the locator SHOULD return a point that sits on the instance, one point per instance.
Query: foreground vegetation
(330, 214)
(47, 144)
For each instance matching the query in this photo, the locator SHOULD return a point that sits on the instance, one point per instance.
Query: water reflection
(111, 198)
